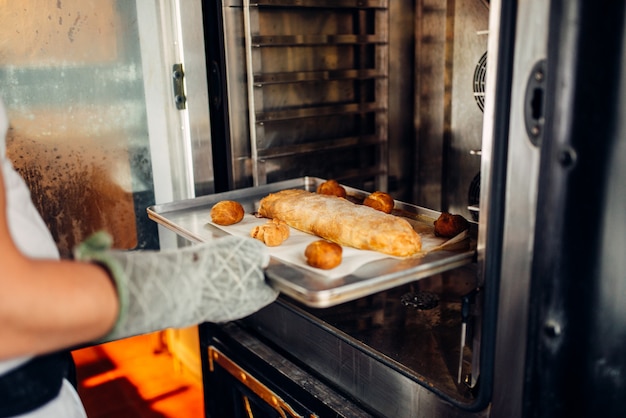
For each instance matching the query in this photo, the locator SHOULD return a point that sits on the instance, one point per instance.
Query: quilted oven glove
(218, 281)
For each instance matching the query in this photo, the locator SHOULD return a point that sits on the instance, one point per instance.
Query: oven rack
(292, 86)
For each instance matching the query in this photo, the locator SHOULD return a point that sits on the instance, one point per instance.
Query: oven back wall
(451, 41)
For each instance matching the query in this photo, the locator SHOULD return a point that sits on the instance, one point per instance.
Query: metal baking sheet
(190, 219)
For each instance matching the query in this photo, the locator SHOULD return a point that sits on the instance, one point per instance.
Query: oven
(508, 113)
(379, 95)
(447, 105)
(379, 328)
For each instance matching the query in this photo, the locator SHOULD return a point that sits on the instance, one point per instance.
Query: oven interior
(379, 95)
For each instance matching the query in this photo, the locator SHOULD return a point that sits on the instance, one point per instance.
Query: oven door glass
(88, 88)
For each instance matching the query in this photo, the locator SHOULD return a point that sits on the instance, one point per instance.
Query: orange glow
(136, 377)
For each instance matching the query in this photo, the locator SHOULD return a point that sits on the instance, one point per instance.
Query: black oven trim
(303, 392)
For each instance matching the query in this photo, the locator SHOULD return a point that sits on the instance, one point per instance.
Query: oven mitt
(218, 281)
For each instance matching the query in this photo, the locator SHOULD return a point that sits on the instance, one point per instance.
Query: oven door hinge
(178, 84)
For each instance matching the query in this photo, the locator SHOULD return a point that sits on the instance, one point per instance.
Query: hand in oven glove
(218, 281)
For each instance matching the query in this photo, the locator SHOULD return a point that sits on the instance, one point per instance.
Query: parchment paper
(292, 250)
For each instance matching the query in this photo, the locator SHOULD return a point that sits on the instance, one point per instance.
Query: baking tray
(191, 219)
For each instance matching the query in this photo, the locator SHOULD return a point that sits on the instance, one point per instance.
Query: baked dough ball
(227, 212)
(380, 201)
(448, 225)
(323, 254)
(272, 234)
(331, 187)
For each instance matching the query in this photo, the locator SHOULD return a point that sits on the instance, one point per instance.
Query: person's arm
(46, 305)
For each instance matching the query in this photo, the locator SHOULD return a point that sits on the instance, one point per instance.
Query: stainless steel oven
(509, 113)
(467, 106)
(380, 95)
(377, 330)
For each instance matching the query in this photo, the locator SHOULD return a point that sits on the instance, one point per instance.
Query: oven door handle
(245, 378)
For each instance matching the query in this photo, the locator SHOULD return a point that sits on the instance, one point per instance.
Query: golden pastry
(341, 221)
(227, 212)
(380, 201)
(448, 225)
(331, 187)
(273, 233)
(323, 254)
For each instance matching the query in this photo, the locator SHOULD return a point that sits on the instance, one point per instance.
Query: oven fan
(479, 81)
(473, 196)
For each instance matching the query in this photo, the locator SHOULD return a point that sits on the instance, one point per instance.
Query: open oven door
(576, 358)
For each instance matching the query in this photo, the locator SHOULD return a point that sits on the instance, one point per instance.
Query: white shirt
(33, 238)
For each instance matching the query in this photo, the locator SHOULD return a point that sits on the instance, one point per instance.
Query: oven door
(245, 377)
